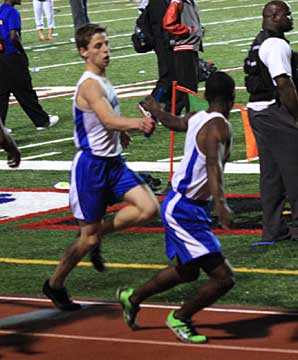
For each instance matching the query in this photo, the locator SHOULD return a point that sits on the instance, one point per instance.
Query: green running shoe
(184, 330)
(129, 310)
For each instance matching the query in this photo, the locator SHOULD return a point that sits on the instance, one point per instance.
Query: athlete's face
(98, 51)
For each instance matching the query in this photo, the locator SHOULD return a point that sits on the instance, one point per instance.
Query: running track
(33, 329)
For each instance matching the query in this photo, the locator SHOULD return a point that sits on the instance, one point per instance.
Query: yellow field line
(142, 266)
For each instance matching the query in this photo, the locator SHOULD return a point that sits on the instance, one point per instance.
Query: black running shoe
(60, 298)
(97, 260)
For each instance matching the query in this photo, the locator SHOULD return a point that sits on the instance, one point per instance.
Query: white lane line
(81, 62)
(158, 306)
(41, 155)
(159, 343)
(45, 143)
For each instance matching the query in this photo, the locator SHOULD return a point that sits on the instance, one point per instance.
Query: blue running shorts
(96, 182)
(187, 228)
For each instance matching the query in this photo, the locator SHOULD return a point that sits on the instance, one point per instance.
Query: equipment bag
(142, 39)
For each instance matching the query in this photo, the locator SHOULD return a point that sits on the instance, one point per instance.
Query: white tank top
(191, 174)
(90, 134)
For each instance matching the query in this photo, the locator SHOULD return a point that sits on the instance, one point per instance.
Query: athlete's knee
(226, 283)
(149, 211)
(89, 241)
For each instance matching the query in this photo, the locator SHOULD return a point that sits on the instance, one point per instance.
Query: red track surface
(98, 332)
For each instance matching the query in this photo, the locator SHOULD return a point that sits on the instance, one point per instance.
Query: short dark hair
(220, 86)
(85, 32)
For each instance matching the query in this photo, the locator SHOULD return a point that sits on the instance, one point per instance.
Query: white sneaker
(53, 119)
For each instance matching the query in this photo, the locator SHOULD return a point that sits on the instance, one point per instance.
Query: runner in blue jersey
(185, 211)
(99, 175)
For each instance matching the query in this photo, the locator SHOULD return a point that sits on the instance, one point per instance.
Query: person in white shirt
(271, 80)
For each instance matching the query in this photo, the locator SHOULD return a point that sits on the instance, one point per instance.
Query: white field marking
(45, 49)
(89, 3)
(159, 343)
(45, 143)
(136, 7)
(102, 22)
(89, 12)
(41, 155)
(68, 42)
(176, 158)
(81, 62)
(158, 306)
(230, 168)
(229, 21)
(246, 160)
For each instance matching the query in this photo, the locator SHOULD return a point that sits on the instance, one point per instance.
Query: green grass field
(266, 276)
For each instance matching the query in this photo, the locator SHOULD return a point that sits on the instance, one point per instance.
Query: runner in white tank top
(99, 175)
(185, 212)
(90, 133)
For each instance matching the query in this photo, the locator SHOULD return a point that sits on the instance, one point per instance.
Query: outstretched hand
(125, 139)
(151, 105)
(9, 145)
(13, 158)
(147, 125)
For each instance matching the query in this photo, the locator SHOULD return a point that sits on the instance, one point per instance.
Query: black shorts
(210, 262)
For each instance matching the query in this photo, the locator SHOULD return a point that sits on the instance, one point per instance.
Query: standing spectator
(7, 144)
(185, 211)
(273, 115)
(14, 72)
(182, 21)
(79, 12)
(99, 175)
(163, 88)
(42, 7)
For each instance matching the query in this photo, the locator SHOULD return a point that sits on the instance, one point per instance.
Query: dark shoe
(165, 190)
(60, 298)
(97, 260)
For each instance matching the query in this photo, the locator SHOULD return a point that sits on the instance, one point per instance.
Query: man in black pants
(163, 88)
(14, 72)
(79, 12)
(273, 115)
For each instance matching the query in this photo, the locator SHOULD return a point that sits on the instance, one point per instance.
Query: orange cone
(251, 145)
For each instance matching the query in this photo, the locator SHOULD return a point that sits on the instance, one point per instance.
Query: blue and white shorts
(97, 182)
(187, 228)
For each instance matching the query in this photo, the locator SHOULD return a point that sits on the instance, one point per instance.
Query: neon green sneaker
(129, 310)
(184, 330)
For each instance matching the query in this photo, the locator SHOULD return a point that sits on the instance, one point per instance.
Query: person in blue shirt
(14, 70)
